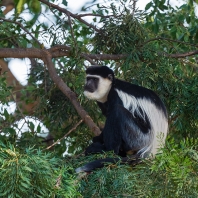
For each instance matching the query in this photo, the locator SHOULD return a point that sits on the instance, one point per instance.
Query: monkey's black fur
(134, 117)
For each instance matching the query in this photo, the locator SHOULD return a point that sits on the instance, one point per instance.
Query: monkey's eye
(92, 78)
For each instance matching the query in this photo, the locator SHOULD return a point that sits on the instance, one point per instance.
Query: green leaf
(20, 6)
(6, 114)
(38, 129)
(31, 126)
(64, 2)
(34, 6)
(186, 38)
(10, 130)
(148, 5)
(188, 19)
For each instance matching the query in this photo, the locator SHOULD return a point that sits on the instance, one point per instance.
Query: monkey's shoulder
(132, 90)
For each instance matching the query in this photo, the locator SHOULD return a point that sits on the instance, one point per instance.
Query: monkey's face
(97, 88)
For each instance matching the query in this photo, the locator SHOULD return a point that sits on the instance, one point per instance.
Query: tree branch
(134, 7)
(63, 10)
(69, 93)
(184, 55)
(105, 56)
(23, 28)
(74, 128)
(96, 15)
(33, 52)
(72, 31)
(56, 52)
(60, 51)
(170, 40)
(89, 59)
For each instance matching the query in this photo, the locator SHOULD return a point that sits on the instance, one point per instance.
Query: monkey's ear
(110, 77)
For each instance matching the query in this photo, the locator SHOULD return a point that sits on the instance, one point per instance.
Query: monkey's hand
(98, 139)
(94, 148)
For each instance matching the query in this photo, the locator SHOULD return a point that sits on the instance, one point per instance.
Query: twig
(96, 15)
(89, 59)
(193, 65)
(17, 23)
(72, 31)
(58, 182)
(184, 55)
(167, 39)
(63, 10)
(74, 128)
(18, 107)
(134, 6)
(105, 56)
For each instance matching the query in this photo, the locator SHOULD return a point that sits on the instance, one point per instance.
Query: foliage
(145, 40)
(153, 41)
(33, 173)
(172, 173)
(33, 5)
(121, 34)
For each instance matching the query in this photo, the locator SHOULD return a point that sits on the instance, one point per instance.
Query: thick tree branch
(32, 52)
(69, 93)
(56, 52)
(60, 51)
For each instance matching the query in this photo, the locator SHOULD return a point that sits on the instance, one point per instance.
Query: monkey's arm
(112, 132)
(111, 137)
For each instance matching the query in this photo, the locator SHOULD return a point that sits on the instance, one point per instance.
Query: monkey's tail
(101, 163)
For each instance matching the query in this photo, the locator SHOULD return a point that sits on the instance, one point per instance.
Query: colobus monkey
(136, 118)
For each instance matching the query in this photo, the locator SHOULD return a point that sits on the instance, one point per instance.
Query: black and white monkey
(136, 118)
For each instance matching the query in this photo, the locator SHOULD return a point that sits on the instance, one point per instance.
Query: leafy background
(156, 42)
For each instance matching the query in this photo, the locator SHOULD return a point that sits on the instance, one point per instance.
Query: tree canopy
(155, 48)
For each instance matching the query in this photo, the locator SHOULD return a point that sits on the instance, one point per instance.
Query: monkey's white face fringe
(158, 121)
(104, 86)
